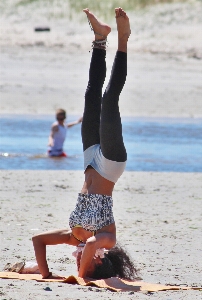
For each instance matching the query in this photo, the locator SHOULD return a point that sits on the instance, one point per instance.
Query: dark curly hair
(116, 263)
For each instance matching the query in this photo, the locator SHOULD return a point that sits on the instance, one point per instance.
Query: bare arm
(100, 240)
(50, 238)
(54, 129)
(75, 122)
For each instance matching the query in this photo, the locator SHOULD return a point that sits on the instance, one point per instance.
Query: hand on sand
(55, 276)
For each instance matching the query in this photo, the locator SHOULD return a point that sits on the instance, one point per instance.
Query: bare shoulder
(55, 127)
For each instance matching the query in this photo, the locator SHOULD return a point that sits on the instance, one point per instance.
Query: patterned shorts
(92, 212)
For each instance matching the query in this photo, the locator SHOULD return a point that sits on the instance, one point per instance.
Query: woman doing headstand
(92, 222)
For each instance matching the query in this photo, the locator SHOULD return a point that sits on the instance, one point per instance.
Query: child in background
(58, 134)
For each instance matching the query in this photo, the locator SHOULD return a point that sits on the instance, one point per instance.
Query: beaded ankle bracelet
(100, 44)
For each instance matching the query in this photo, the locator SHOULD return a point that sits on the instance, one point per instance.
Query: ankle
(99, 44)
(122, 45)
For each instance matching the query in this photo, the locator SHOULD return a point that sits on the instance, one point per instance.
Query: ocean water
(165, 145)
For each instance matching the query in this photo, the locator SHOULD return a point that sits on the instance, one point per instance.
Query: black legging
(101, 120)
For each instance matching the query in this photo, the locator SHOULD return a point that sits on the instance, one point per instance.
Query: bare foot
(101, 30)
(123, 28)
(123, 24)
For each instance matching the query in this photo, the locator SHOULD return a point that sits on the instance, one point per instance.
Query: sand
(43, 71)
(158, 215)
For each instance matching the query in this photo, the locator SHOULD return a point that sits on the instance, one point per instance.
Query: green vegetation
(99, 5)
(110, 4)
(59, 9)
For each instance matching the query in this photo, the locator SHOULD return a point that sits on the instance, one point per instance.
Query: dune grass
(99, 4)
(59, 9)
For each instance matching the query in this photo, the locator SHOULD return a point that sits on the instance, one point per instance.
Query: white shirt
(58, 140)
(109, 169)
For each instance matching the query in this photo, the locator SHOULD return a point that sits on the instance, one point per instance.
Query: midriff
(96, 184)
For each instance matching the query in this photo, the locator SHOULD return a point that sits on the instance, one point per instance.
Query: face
(60, 117)
(95, 262)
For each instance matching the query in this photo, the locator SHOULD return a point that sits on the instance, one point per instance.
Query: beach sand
(41, 71)
(158, 215)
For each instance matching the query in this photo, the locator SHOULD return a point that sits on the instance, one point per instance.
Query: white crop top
(111, 170)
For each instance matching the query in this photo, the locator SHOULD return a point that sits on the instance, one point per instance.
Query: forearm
(55, 237)
(75, 122)
(40, 253)
(86, 259)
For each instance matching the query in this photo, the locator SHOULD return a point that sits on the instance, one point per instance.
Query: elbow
(36, 239)
(91, 244)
